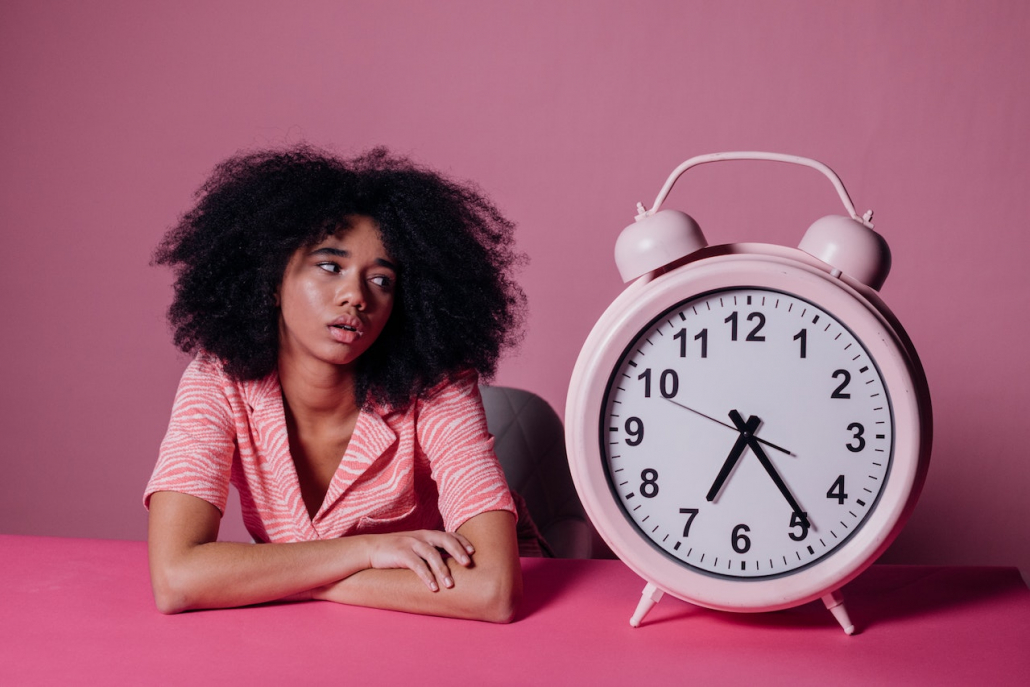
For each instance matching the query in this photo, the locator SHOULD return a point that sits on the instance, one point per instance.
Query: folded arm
(190, 569)
(488, 589)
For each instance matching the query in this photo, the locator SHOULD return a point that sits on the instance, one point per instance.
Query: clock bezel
(781, 269)
(604, 422)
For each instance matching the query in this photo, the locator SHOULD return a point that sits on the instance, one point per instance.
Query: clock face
(746, 433)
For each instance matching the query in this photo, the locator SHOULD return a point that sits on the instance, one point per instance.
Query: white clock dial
(746, 433)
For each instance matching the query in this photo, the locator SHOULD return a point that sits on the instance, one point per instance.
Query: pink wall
(567, 113)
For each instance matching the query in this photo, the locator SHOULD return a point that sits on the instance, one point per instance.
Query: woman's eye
(329, 267)
(382, 281)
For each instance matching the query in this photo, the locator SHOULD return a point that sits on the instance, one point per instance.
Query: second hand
(729, 426)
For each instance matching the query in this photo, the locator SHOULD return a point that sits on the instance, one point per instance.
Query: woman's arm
(489, 589)
(189, 569)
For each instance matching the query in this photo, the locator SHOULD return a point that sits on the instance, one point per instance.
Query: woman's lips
(346, 329)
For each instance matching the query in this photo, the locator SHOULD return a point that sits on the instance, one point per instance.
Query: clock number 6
(739, 540)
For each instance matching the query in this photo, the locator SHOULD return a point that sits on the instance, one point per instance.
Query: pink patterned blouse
(430, 465)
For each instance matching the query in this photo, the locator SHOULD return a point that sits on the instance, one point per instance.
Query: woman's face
(336, 296)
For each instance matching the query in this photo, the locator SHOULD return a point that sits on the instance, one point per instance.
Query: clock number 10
(668, 383)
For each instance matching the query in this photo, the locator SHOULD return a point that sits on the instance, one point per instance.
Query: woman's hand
(422, 552)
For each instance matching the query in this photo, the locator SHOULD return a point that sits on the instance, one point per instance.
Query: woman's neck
(317, 392)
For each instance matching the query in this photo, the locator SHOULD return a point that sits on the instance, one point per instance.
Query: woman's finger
(432, 558)
(418, 565)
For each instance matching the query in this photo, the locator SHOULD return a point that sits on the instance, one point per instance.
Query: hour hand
(746, 430)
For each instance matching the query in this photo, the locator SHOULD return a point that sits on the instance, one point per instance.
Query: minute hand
(755, 445)
(767, 464)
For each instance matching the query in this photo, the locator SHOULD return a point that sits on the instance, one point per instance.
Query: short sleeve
(453, 435)
(197, 452)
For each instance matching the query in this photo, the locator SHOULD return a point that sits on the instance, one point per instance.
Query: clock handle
(865, 220)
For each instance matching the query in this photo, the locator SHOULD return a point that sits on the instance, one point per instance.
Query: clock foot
(648, 598)
(835, 604)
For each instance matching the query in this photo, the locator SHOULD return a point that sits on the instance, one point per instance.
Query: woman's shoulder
(456, 388)
(206, 372)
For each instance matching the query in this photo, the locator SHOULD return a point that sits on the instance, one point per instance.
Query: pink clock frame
(794, 271)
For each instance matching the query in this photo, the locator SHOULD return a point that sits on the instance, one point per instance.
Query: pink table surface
(76, 611)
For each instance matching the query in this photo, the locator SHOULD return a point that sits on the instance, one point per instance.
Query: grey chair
(530, 443)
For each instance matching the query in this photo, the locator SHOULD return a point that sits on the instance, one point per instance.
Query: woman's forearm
(489, 590)
(190, 570)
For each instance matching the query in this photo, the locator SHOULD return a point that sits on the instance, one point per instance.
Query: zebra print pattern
(430, 465)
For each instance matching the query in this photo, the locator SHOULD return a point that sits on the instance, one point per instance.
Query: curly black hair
(456, 304)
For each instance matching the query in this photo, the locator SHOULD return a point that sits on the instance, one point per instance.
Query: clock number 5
(799, 521)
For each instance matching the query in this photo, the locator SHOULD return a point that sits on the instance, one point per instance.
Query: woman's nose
(352, 292)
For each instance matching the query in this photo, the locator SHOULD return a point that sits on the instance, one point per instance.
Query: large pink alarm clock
(748, 425)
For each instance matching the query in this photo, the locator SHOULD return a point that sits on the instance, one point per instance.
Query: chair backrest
(530, 443)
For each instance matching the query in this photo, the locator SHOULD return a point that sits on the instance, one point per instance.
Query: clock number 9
(668, 383)
(635, 430)
(739, 540)
(649, 483)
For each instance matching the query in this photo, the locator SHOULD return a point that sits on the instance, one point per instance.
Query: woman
(340, 313)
